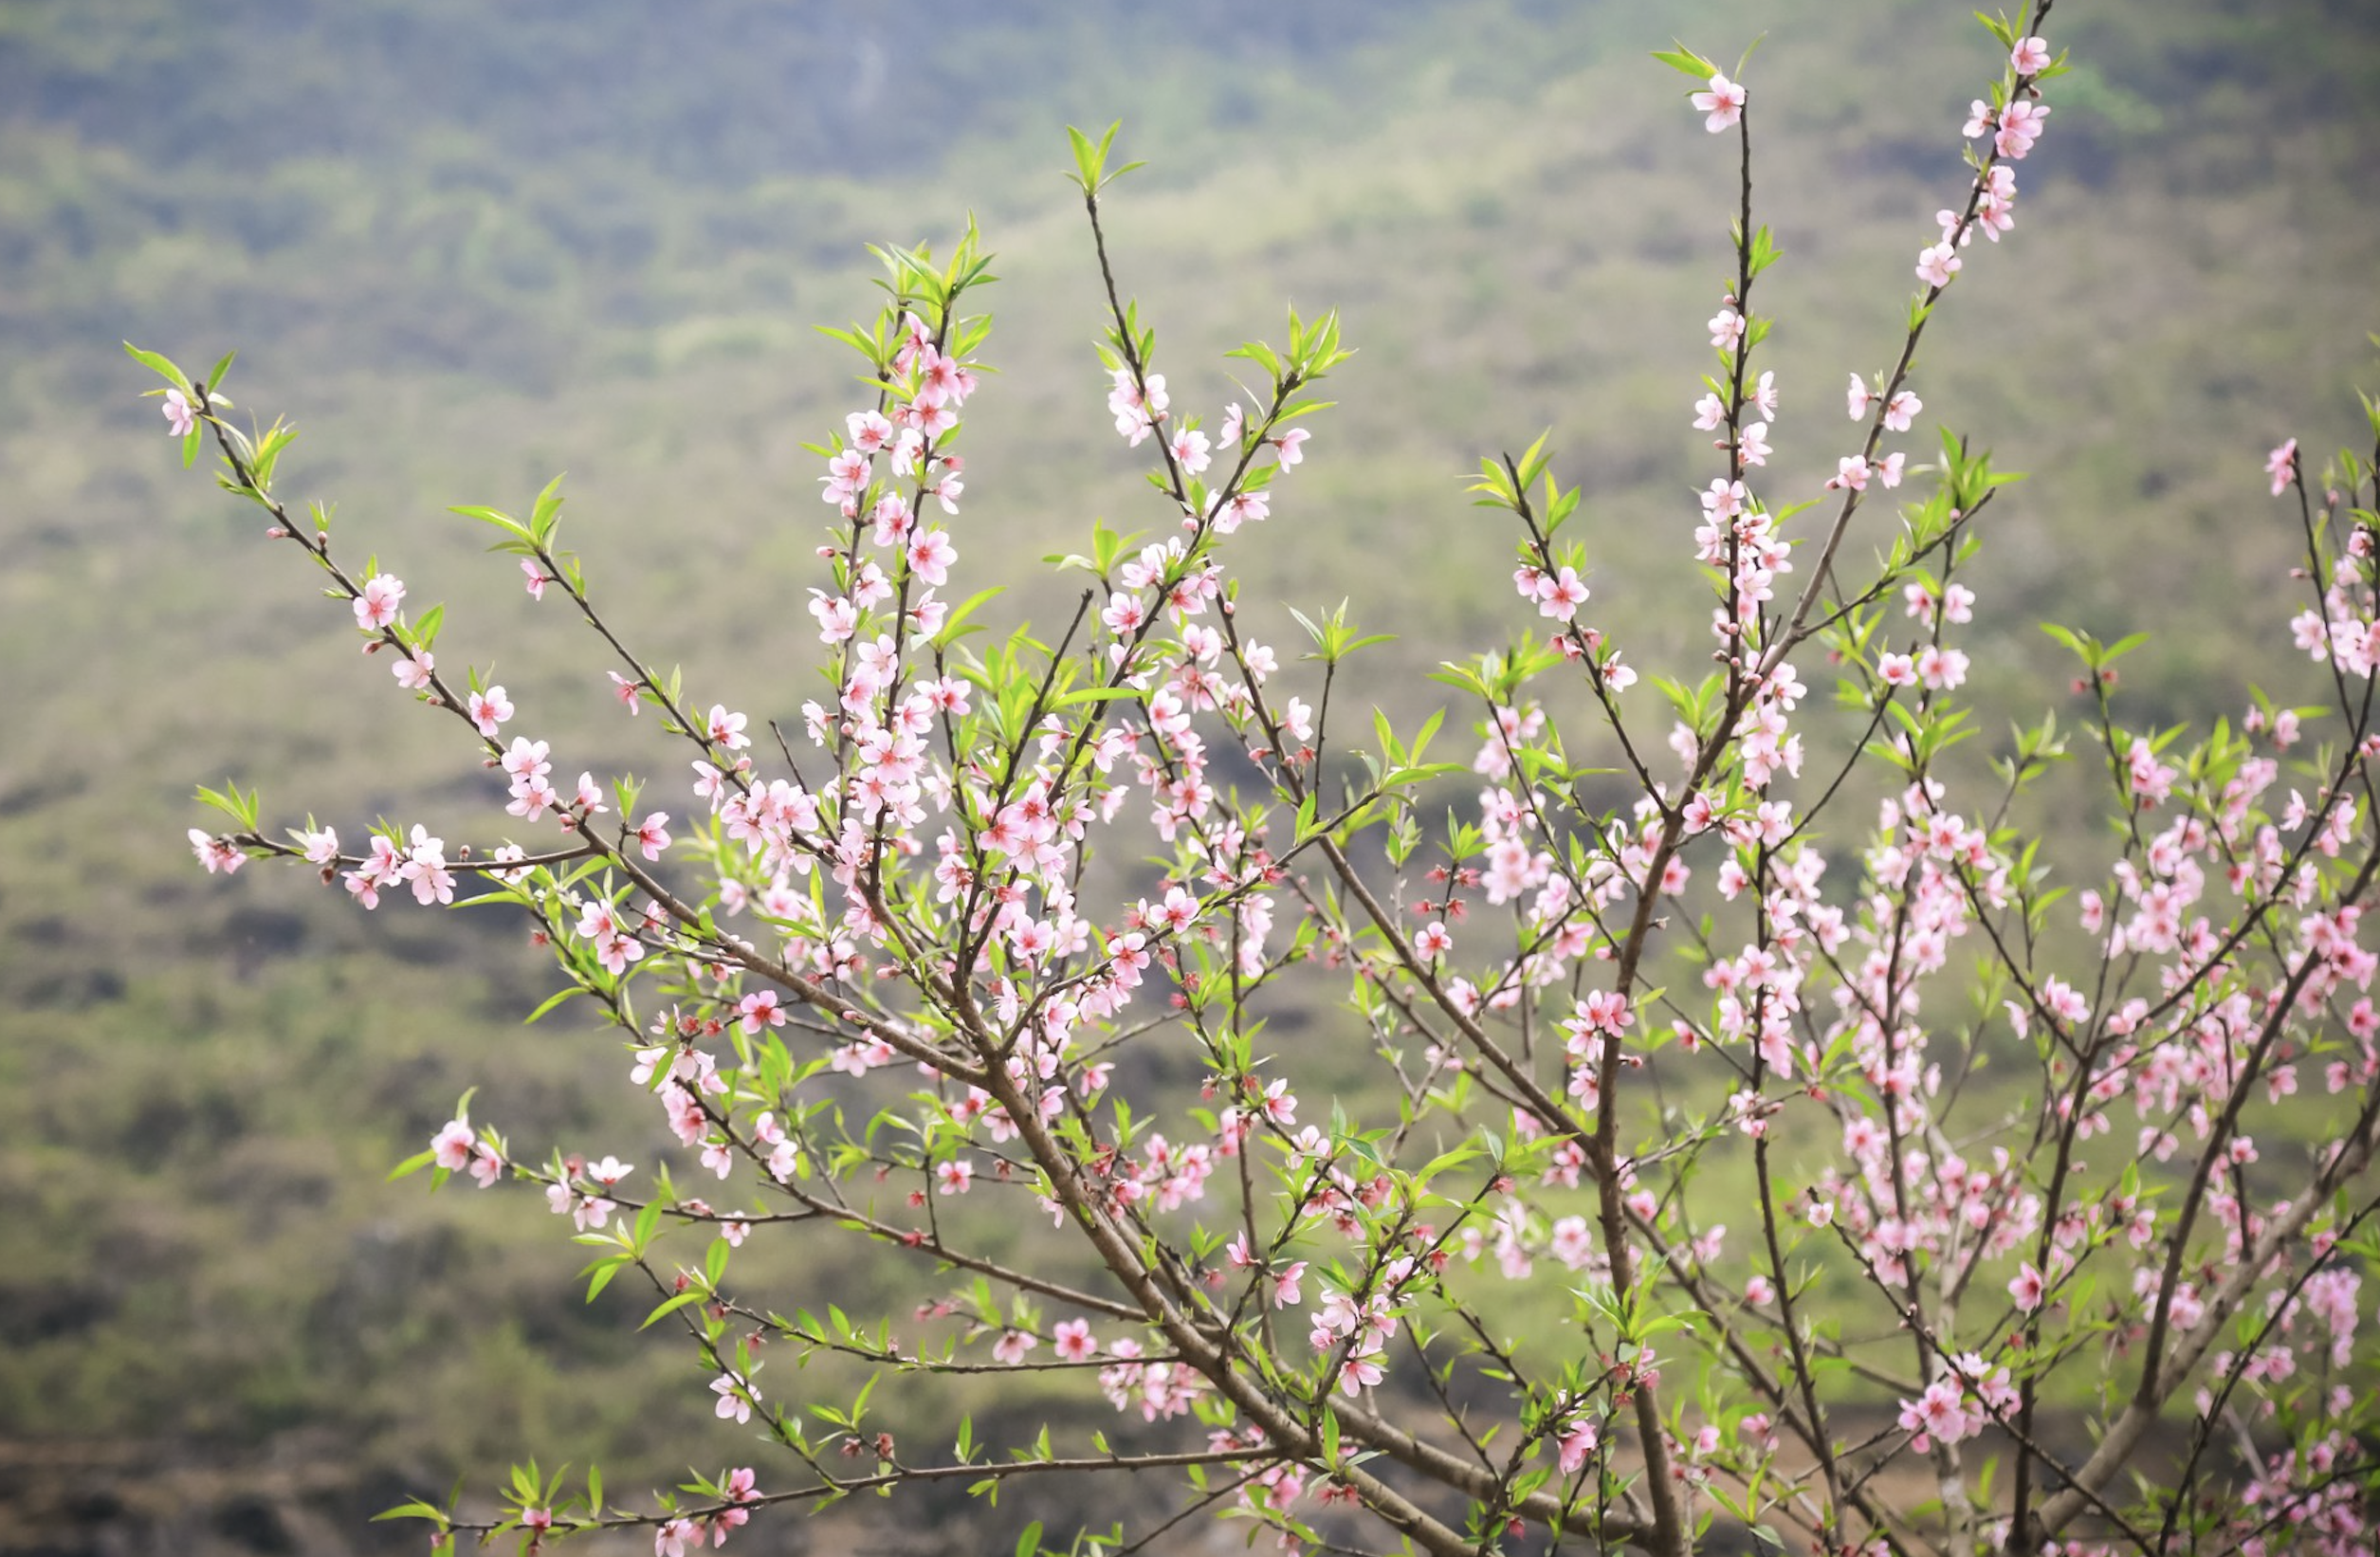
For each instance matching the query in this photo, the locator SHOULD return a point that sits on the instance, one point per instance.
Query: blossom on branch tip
(181, 416)
(1722, 105)
(215, 854)
(2281, 465)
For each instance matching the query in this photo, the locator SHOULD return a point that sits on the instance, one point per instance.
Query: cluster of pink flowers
(907, 925)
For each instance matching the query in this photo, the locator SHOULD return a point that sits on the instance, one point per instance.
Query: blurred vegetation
(467, 247)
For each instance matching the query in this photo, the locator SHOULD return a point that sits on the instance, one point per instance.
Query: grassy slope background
(467, 247)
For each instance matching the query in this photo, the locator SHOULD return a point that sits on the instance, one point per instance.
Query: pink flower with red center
(625, 690)
(1560, 595)
(726, 729)
(489, 709)
(376, 603)
(534, 579)
(652, 834)
(930, 555)
(954, 1178)
(215, 854)
(1722, 105)
(1189, 448)
(452, 1147)
(1901, 410)
(2026, 1288)
(1013, 1345)
(1291, 447)
(760, 1009)
(1074, 1341)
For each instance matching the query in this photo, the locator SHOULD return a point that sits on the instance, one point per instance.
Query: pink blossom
(452, 1147)
(1860, 397)
(652, 834)
(425, 868)
(2019, 126)
(377, 602)
(1576, 1443)
(954, 1178)
(215, 854)
(2026, 1288)
(412, 670)
(1074, 1341)
(1937, 264)
(534, 579)
(181, 416)
(1726, 328)
(726, 729)
(2281, 464)
(1013, 1345)
(1753, 444)
(489, 709)
(1189, 449)
(1723, 105)
(1291, 447)
(1901, 410)
(2030, 57)
(930, 555)
(734, 1400)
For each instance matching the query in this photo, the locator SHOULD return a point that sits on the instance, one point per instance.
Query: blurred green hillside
(467, 247)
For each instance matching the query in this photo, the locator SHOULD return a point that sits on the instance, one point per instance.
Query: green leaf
(551, 1002)
(671, 1305)
(411, 1166)
(162, 366)
(1687, 62)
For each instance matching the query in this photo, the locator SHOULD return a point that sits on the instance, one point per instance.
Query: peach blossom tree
(1898, 1192)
